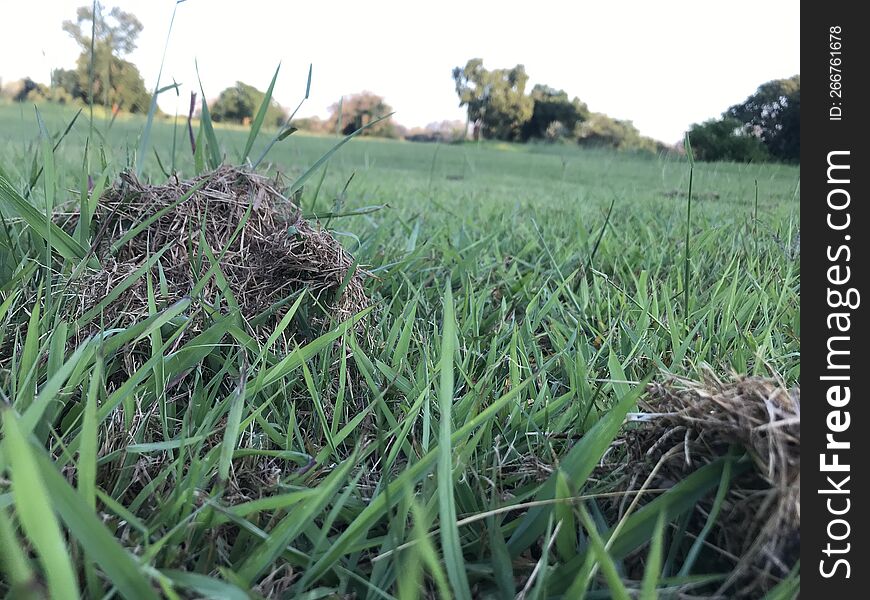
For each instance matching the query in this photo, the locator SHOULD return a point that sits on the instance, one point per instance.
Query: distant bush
(499, 108)
(311, 124)
(599, 130)
(68, 80)
(726, 139)
(18, 91)
(773, 115)
(447, 132)
(496, 99)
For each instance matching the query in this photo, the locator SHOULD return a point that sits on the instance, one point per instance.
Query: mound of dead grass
(686, 424)
(265, 249)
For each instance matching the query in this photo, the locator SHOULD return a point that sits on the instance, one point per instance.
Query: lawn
(447, 445)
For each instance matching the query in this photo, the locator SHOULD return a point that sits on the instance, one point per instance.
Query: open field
(514, 318)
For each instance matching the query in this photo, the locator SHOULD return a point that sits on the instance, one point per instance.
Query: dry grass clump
(263, 259)
(266, 251)
(687, 424)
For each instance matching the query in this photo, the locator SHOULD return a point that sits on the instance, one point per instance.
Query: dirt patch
(695, 195)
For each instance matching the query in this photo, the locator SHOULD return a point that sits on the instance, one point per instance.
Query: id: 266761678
(835, 73)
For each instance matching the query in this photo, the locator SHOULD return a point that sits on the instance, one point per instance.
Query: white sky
(664, 64)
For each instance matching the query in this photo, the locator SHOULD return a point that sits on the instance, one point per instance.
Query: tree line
(765, 126)
(499, 108)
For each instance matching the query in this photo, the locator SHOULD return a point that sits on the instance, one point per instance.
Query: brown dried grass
(276, 252)
(266, 252)
(686, 424)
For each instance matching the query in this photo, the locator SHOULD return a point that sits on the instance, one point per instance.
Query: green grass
(522, 295)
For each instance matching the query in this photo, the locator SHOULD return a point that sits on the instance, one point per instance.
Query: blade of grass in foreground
(145, 137)
(34, 511)
(653, 568)
(451, 546)
(61, 241)
(687, 261)
(608, 568)
(261, 116)
(48, 393)
(49, 185)
(287, 129)
(577, 465)
(93, 535)
(37, 173)
(22, 582)
(231, 433)
(207, 587)
(426, 552)
(295, 522)
(86, 465)
(214, 154)
(26, 390)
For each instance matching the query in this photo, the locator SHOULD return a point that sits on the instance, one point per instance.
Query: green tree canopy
(726, 139)
(553, 111)
(117, 83)
(499, 108)
(496, 100)
(117, 29)
(239, 104)
(772, 113)
(358, 110)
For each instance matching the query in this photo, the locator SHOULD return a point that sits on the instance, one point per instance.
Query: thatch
(686, 424)
(266, 252)
(263, 259)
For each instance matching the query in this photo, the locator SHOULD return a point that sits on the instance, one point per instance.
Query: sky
(663, 65)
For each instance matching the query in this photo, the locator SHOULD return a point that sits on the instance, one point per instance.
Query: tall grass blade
(213, 152)
(34, 511)
(145, 136)
(40, 224)
(260, 117)
(97, 541)
(451, 546)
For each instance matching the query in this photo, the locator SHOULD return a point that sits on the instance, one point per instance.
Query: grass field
(521, 296)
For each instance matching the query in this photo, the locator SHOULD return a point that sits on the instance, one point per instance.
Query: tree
(358, 110)
(68, 80)
(726, 139)
(117, 83)
(772, 114)
(496, 100)
(117, 31)
(553, 114)
(241, 102)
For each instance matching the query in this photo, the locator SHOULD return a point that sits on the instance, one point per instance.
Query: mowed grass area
(513, 325)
